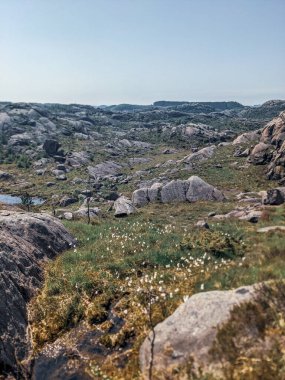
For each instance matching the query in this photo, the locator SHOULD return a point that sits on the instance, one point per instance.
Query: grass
(120, 264)
(251, 343)
(151, 261)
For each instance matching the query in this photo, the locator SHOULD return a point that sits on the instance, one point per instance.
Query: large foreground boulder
(190, 330)
(26, 241)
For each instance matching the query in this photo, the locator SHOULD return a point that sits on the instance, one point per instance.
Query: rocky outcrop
(191, 190)
(201, 155)
(189, 332)
(26, 241)
(250, 214)
(261, 154)
(247, 137)
(271, 148)
(78, 159)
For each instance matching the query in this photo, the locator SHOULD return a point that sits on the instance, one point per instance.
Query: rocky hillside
(271, 149)
(169, 220)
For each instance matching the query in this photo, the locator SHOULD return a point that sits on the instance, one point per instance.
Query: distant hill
(216, 106)
(267, 110)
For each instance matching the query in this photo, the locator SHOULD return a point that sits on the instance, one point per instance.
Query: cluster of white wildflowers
(134, 238)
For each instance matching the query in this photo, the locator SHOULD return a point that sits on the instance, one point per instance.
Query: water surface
(14, 200)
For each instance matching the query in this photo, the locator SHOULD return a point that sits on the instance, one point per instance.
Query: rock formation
(191, 190)
(26, 241)
(271, 148)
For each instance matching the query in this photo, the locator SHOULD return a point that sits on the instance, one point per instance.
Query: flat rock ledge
(26, 241)
(189, 332)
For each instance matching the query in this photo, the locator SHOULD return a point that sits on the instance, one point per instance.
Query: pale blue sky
(139, 51)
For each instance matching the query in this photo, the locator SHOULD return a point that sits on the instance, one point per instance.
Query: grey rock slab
(190, 330)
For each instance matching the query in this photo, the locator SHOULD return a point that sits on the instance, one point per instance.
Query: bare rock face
(261, 154)
(271, 148)
(189, 332)
(26, 241)
(247, 137)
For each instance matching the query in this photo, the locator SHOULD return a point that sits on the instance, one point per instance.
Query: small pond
(14, 200)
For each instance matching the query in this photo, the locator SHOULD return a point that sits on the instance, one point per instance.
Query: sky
(140, 51)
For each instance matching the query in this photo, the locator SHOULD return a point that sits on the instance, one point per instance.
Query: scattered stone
(202, 224)
(94, 213)
(274, 196)
(4, 176)
(87, 193)
(66, 201)
(40, 171)
(123, 207)
(242, 153)
(202, 155)
(78, 159)
(51, 147)
(61, 177)
(113, 196)
(271, 228)
(68, 215)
